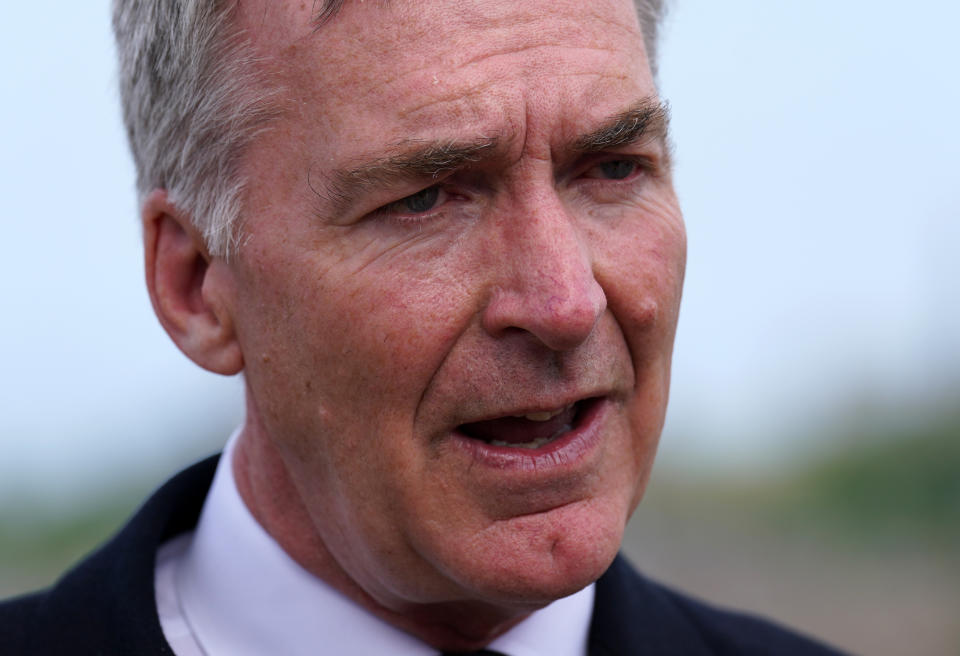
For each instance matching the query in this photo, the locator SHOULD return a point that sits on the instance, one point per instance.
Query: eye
(420, 202)
(427, 204)
(615, 169)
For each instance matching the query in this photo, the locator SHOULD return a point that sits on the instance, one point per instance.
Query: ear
(191, 292)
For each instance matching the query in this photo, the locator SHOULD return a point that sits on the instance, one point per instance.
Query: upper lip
(534, 407)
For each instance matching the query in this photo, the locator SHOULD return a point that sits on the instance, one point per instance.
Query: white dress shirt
(228, 589)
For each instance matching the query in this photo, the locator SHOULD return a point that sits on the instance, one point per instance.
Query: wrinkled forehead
(385, 27)
(416, 61)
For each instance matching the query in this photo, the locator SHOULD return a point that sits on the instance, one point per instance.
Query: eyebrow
(646, 120)
(327, 11)
(415, 159)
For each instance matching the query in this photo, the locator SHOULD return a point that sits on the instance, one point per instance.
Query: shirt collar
(242, 594)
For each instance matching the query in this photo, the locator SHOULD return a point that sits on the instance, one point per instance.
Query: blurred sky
(817, 163)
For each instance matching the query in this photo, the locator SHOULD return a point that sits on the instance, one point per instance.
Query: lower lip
(565, 452)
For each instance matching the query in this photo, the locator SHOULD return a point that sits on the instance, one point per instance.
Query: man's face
(457, 293)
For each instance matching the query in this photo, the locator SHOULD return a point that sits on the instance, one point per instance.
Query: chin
(546, 560)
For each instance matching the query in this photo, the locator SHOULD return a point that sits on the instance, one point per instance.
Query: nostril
(547, 286)
(561, 321)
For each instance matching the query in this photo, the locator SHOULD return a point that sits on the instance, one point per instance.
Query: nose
(546, 283)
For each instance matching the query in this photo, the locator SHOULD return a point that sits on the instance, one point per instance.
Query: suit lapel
(633, 617)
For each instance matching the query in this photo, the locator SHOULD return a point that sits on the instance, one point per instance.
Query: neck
(267, 491)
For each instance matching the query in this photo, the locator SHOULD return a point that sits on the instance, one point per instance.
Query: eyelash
(390, 210)
(640, 166)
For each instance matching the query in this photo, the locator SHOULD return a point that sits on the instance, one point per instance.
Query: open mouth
(529, 431)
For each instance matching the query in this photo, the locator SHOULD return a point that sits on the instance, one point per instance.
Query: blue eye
(617, 169)
(422, 201)
(417, 206)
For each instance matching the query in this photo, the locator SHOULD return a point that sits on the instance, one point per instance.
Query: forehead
(419, 69)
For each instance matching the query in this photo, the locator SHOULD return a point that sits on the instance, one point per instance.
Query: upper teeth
(542, 416)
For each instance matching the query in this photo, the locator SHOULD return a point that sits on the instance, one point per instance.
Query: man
(441, 242)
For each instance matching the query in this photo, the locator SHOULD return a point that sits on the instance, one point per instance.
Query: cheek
(641, 268)
(640, 265)
(350, 347)
(405, 325)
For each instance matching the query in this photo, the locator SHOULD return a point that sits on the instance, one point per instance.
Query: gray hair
(193, 100)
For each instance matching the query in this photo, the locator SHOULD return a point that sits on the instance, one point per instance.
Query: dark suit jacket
(106, 605)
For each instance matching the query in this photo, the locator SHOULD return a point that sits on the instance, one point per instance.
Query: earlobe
(190, 290)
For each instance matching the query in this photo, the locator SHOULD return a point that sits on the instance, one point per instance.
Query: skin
(368, 333)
